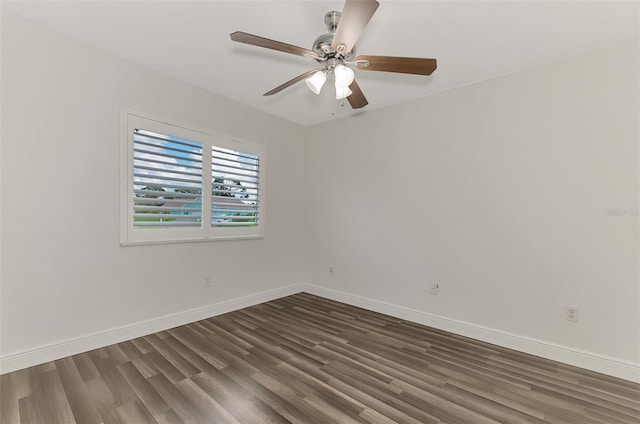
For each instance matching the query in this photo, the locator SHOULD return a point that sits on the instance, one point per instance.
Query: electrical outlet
(435, 287)
(208, 281)
(571, 313)
(330, 269)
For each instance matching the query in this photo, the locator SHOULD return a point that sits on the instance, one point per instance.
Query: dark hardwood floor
(304, 359)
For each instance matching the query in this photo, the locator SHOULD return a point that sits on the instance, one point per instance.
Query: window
(179, 184)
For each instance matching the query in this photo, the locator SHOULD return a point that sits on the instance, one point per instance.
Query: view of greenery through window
(168, 183)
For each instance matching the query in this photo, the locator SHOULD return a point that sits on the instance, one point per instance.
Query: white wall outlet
(571, 313)
(330, 269)
(435, 287)
(208, 281)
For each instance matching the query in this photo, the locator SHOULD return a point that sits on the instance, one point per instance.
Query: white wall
(64, 274)
(497, 191)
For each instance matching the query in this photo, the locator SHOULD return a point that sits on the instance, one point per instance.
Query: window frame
(131, 235)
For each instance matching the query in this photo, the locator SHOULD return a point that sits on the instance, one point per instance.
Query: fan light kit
(337, 49)
(316, 81)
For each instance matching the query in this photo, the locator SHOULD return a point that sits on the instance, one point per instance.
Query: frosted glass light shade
(316, 81)
(344, 76)
(342, 92)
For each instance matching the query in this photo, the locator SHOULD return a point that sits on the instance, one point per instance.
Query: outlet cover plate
(571, 313)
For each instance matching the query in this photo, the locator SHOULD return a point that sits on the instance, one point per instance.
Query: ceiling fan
(336, 49)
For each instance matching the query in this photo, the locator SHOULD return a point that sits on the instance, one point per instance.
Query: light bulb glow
(316, 81)
(344, 76)
(342, 92)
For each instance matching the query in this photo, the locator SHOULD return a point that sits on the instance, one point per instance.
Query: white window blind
(180, 184)
(167, 181)
(234, 188)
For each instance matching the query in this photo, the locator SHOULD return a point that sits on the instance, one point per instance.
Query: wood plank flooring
(305, 359)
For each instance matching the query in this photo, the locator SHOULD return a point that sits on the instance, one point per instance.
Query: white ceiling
(472, 40)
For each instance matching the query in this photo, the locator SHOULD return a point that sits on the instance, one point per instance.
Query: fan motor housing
(322, 44)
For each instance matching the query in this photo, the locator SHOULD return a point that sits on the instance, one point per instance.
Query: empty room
(416, 212)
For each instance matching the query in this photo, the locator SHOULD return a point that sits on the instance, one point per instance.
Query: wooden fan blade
(356, 14)
(356, 99)
(291, 82)
(254, 40)
(403, 65)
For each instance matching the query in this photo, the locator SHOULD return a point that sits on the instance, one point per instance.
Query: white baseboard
(611, 366)
(76, 345)
(626, 370)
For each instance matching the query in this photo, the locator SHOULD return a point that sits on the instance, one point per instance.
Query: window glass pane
(167, 181)
(234, 188)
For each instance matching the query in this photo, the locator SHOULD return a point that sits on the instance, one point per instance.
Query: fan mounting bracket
(362, 63)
